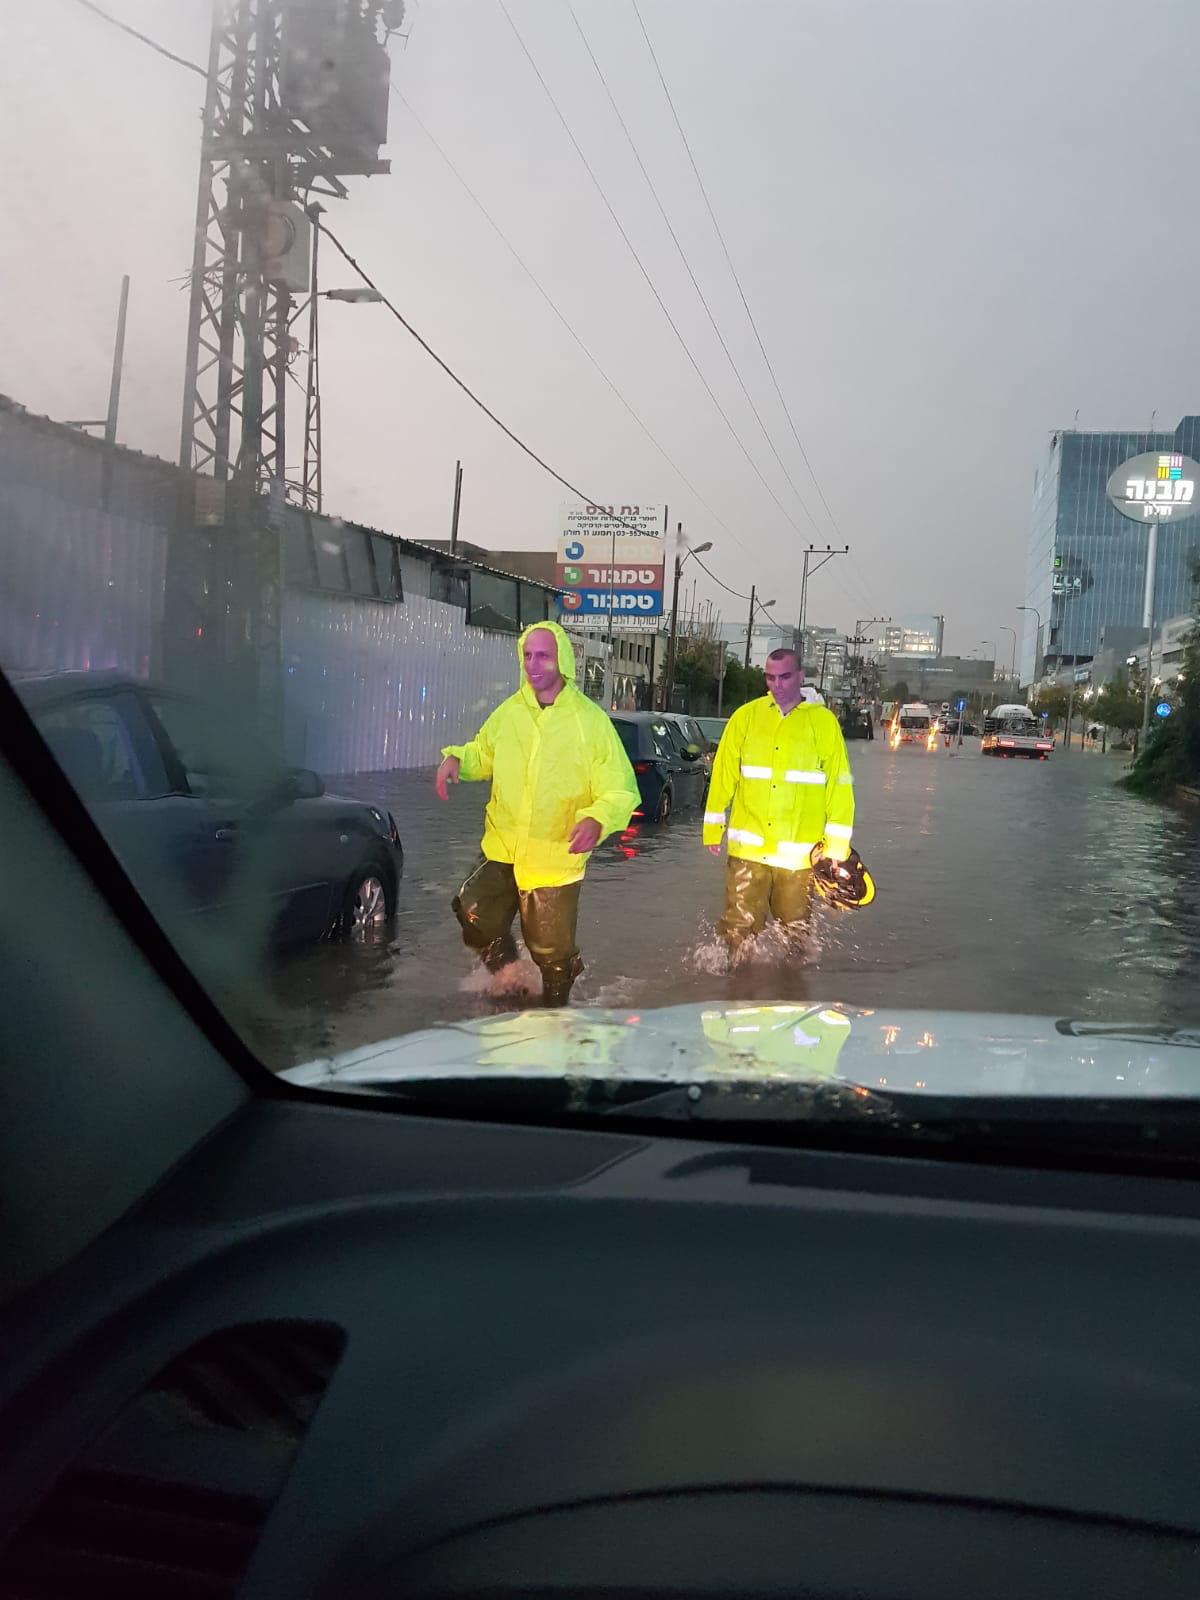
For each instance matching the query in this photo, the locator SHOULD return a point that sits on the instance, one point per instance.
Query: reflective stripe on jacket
(550, 767)
(786, 782)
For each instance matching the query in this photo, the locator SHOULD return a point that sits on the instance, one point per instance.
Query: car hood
(944, 1053)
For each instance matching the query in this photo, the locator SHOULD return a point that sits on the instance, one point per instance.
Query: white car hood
(935, 1052)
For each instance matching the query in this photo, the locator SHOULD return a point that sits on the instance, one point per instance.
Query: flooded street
(1002, 886)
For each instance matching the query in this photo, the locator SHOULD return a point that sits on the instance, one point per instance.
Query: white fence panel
(372, 688)
(79, 588)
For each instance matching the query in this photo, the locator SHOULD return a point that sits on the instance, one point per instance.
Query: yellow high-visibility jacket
(550, 767)
(786, 782)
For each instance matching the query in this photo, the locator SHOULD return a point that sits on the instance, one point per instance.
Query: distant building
(910, 636)
(1086, 564)
(765, 637)
(938, 678)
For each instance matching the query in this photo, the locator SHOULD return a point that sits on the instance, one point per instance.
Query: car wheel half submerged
(367, 912)
(664, 806)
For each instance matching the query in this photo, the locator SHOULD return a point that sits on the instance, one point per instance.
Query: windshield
(478, 547)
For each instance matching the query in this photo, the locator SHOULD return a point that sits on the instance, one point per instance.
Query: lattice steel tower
(297, 101)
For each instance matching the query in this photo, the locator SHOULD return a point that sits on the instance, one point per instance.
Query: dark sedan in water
(224, 844)
(670, 772)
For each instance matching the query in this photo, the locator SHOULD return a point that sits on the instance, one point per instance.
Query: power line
(737, 595)
(529, 273)
(662, 211)
(741, 292)
(641, 265)
(162, 50)
(733, 270)
(464, 386)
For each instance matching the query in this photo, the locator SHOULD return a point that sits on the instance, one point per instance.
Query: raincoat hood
(566, 653)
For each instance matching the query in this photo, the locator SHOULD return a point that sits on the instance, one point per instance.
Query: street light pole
(1037, 641)
(1002, 627)
(681, 556)
(671, 642)
(749, 628)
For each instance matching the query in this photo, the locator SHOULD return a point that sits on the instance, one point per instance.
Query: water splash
(519, 980)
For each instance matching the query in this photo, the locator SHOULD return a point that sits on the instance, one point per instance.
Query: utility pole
(671, 642)
(807, 571)
(109, 423)
(457, 507)
(749, 628)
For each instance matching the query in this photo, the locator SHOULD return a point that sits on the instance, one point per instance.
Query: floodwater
(1003, 885)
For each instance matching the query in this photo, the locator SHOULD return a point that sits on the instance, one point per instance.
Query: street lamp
(680, 559)
(1037, 643)
(1002, 627)
(762, 605)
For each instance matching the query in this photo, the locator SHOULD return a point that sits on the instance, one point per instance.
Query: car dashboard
(345, 1351)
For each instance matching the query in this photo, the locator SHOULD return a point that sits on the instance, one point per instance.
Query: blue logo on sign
(1162, 709)
(574, 551)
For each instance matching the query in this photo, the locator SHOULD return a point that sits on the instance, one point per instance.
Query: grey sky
(957, 221)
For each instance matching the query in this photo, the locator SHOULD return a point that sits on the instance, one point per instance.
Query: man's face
(540, 655)
(784, 682)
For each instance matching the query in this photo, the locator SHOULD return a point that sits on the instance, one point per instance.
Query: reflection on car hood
(939, 1052)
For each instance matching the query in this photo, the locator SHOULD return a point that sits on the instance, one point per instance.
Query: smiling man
(560, 783)
(782, 772)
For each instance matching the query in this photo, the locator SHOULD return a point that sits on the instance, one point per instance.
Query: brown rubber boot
(557, 979)
(501, 953)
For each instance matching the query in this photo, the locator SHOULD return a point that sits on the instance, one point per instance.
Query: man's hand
(585, 836)
(446, 773)
(713, 849)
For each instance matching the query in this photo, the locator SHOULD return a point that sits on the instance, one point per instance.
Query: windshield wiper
(1133, 1032)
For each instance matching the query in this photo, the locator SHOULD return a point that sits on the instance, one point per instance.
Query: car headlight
(394, 830)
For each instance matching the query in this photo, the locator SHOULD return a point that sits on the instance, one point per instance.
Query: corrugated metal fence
(367, 685)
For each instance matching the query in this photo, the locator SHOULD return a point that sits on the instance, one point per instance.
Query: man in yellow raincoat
(561, 782)
(782, 773)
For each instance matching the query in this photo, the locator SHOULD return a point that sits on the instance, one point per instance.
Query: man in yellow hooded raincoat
(561, 782)
(782, 772)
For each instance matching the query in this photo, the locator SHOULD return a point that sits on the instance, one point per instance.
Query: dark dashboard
(587, 1363)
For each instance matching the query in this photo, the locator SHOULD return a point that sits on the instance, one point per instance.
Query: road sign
(960, 705)
(945, 705)
(585, 605)
(616, 551)
(1162, 709)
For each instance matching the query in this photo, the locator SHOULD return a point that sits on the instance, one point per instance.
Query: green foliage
(742, 684)
(1119, 705)
(1172, 753)
(1055, 702)
(899, 692)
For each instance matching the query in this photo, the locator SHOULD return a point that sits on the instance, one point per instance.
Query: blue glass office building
(1087, 563)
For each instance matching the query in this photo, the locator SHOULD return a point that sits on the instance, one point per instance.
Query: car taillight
(641, 768)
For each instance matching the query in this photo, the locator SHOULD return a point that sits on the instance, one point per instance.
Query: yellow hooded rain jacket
(788, 781)
(550, 767)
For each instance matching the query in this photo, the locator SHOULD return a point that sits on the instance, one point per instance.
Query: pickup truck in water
(1015, 731)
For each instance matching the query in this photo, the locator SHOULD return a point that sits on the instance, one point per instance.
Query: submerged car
(669, 770)
(216, 837)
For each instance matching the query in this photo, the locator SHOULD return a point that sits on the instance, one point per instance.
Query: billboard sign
(615, 551)
(1156, 486)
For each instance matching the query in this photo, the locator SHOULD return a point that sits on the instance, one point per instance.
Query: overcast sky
(956, 221)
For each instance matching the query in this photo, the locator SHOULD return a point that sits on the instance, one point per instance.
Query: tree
(1055, 702)
(742, 684)
(1172, 753)
(899, 691)
(1119, 704)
